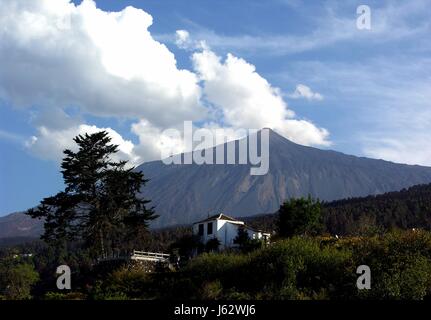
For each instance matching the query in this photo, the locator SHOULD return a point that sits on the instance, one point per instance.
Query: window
(210, 228)
(201, 230)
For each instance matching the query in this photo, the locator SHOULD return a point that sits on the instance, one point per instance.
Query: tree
(212, 245)
(100, 204)
(242, 237)
(299, 216)
(245, 243)
(187, 246)
(16, 278)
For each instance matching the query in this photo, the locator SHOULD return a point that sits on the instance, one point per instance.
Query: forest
(314, 252)
(405, 209)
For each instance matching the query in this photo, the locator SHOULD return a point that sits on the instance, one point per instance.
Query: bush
(245, 243)
(17, 279)
(295, 268)
(300, 268)
(400, 264)
(211, 290)
(211, 266)
(122, 284)
(64, 296)
(291, 269)
(212, 245)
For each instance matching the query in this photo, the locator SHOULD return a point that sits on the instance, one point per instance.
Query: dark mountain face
(20, 225)
(186, 193)
(183, 194)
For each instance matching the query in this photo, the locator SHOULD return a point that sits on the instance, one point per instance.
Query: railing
(143, 255)
(137, 255)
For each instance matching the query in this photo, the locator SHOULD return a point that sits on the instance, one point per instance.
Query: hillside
(19, 225)
(183, 194)
(408, 208)
(405, 209)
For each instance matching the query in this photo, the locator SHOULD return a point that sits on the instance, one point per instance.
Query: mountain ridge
(186, 193)
(183, 194)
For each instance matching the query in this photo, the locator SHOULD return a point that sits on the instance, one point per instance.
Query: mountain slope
(405, 209)
(20, 225)
(185, 193)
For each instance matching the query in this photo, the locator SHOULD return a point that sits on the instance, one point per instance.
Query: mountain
(405, 209)
(183, 194)
(20, 225)
(186, 193)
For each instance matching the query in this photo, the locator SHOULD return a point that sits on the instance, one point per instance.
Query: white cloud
(412, 149)
(332, 24)
(153, 141)
(182, 39)
(49, 144)
(247, 100)
(56, 55)
(302, 91)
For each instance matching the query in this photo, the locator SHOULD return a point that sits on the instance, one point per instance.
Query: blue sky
(301, 67)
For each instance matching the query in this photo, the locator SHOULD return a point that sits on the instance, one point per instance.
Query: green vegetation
(299, 216)
(295, 268)
(400, 264)
(17, 277)
(99, 214)
(100, 205)
(366, 216)
(245, 244)
(405, 209)
(300, 267)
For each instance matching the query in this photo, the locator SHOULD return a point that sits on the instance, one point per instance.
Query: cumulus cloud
(248, 100)
(303, 91)
(57, 55)
(50, 143)
(182, 39)
(154, 141)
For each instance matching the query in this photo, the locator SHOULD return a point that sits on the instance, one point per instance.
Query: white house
(225, 229)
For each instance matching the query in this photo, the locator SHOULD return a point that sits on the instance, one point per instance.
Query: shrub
(211, 290)
(122, 284)
(400, 264)
(291, 269)
(17, 279)
(64, 296)
(299, 267)
(210, 266)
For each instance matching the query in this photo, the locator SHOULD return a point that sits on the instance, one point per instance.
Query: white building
(225, 229)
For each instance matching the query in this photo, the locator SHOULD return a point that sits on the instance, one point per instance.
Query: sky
(137, 68)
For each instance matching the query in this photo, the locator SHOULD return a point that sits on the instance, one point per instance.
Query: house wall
(225, 231)
(206, 236)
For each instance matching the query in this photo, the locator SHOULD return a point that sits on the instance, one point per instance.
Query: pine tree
(100, 204)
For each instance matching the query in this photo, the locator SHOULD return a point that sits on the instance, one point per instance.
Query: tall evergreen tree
(100, 204)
